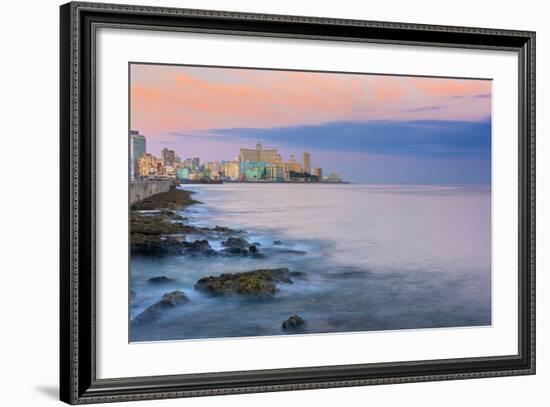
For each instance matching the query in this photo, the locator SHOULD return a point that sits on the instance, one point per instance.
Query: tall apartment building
(306, 162)
(148, 164)
(232, 170)
(259, 155)
(168, 157)
(138, 147)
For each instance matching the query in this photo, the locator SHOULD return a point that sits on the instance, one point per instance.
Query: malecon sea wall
(142, 189)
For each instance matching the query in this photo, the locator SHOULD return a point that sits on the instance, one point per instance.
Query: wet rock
(198, 247)
(235, 251)
(160, 279)
(277, 250)
(154, 245)
(251, 251)
(173, 199)
(255, 283)
(277, 243)
(299, 274)
(167, 215)
(154, 225)
(293, 322)
(224, 229)
(132, 294)
(236, 242)
(168, 301)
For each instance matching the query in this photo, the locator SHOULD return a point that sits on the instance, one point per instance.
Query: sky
(368, 128)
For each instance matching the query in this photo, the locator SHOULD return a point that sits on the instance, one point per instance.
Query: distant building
(333, 177)
(306, 162)
(191, 163)
(232, 170)
(259, 155)
(138, 147)
(168, 157)
(261, 171)
(292, 165)
(318, 172)
(195, 163)
(149, 165)
(213, 166)
(182, 173)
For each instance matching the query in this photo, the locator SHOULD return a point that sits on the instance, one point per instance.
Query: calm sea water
(378, 257)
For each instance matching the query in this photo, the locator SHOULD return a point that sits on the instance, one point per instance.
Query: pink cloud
(167, 98)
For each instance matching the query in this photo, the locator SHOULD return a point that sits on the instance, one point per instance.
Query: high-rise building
(168, 157)
(318, 172)
(195, 163)
(148, 165)
(213, 166)
(306, 162)
(182, 173)
(192, 163)
(259, 155)
(232, 170)
(293, 165)
(138, 147)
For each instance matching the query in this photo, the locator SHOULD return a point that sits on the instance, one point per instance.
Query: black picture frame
(78, 382)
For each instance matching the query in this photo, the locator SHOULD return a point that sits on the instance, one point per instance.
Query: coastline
(216, 270)
(158, 230)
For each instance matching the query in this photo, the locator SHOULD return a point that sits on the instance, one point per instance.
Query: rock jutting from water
(162, 232)
(255, 283)
(293, 322)
(197, 247)
(238, 246)
(167, 301)
(172, 199)
(160, 279)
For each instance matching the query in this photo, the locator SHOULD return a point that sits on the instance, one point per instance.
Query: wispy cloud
(423, 109)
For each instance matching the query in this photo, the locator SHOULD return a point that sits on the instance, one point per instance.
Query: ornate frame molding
(79, 20)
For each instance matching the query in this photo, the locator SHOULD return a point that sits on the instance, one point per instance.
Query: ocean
(377, 257)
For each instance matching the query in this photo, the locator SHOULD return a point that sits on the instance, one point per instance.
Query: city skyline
(368, 128)
(250, 165)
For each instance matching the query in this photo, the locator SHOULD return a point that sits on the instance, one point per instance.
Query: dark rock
(277, 250)
(198, 247)
(159, 279)
(167, 301)
(167, 215)
(224, 229)
(154, 245)
(277, 242)
(293, 322)
(256, 283)
(251, 251)
(155, 225)
(235, 251)
(132, 294)
(235, 242)
(173, 199)
(298, 274)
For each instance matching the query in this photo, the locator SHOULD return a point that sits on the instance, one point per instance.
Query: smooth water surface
(378, 257)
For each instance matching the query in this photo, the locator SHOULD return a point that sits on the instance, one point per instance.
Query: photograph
(269, 202)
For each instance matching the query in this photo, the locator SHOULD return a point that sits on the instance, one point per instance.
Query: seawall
(142, 189)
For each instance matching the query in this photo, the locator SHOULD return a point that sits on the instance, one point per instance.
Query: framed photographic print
(255, 203)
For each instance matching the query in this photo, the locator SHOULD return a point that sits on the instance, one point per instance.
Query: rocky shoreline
(158, 230)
